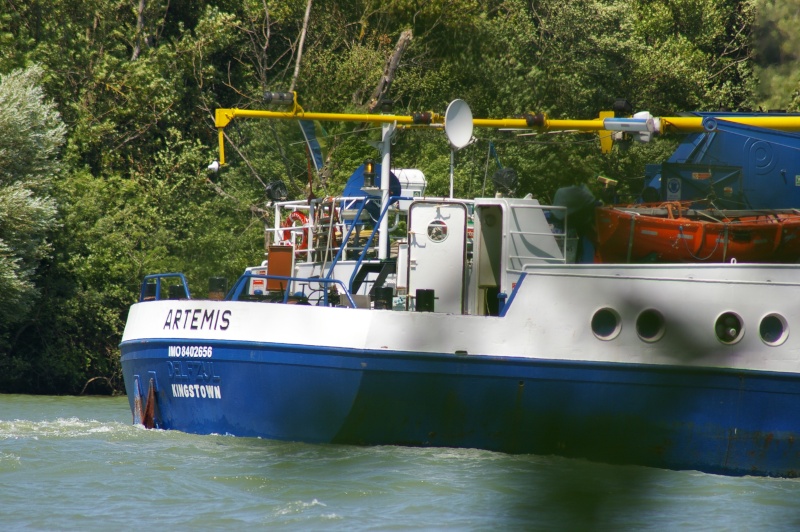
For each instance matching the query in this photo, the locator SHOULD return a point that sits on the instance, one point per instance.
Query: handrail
(146, 295)
(236, 292)
(363, 254)
(346, 238)
(514, 291)
(301, 205)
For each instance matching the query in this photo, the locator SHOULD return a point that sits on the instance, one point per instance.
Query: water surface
(70, 463)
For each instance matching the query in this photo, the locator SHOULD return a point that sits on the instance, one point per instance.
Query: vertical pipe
(221, 146)
(277, 237)
(387, 130)
(452, 165)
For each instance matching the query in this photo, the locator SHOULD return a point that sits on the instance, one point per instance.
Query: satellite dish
(458, 124)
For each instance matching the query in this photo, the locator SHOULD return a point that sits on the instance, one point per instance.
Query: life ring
(289, 224)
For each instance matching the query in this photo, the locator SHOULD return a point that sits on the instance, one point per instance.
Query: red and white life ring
(294, 220)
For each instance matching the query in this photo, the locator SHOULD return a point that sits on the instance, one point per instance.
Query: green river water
(70, 463)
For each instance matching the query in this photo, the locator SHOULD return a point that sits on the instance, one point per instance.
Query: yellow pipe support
(224, 116)
(547, 125)
(679, 124)
(221, 146)
(694, 124)
(606, 138)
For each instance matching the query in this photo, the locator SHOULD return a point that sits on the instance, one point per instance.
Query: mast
(387, 132)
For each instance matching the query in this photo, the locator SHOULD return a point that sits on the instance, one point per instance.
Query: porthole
(650, 325)
(437, 231)
(729, 328)
(773, 329)
(606, 324)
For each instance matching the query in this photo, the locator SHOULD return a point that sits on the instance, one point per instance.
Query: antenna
(458, 128)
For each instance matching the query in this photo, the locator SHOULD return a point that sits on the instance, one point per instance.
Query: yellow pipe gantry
(604, 125)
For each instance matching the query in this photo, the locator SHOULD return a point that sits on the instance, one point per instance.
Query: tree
(776, 51)
(29, 147)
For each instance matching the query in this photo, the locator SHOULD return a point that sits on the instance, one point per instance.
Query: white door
(437, 252)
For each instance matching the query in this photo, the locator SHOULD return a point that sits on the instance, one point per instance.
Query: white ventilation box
(412, 184)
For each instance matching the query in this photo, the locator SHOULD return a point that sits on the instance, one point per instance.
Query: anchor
(144, 416)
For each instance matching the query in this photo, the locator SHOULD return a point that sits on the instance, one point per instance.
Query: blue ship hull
(731, 422)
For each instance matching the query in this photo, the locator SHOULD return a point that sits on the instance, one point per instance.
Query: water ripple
(79, 463)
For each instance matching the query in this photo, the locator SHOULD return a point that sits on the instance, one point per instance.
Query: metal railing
(560, 238)
(153, 284)
(328, 296)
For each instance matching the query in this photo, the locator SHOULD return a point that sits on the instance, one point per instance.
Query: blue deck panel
(765, 161)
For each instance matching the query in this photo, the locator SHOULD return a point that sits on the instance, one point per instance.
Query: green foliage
(777, 48)
(33, 131)
(33, 134)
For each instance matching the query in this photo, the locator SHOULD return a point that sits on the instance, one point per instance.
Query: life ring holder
(290, 228)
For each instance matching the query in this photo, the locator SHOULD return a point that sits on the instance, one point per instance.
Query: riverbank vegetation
(107, 113)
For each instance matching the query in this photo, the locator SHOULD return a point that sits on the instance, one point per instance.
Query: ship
(473, 327)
